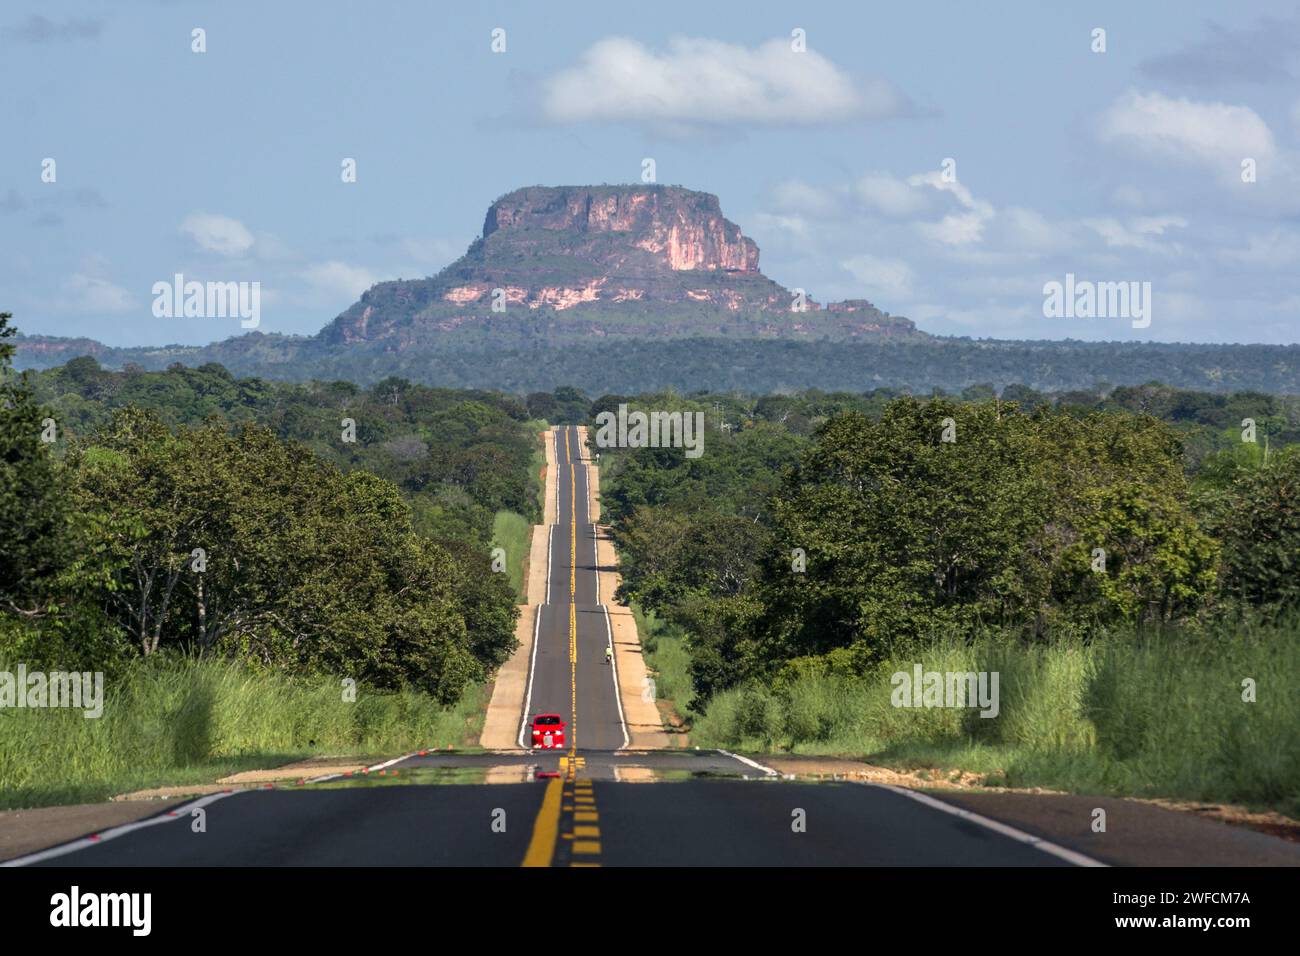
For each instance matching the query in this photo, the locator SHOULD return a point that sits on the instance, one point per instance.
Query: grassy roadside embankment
(1161, 716)
(512, 533)
(183, 722)
(667, 663)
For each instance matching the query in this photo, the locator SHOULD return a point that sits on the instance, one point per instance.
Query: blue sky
(225, 165)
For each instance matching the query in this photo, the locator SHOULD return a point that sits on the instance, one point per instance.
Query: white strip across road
(767, 771)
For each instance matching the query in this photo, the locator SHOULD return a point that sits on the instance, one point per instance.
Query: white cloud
(1139, 233)
(889, 279)
(1218, 135)
(955, 229)
(889, 196)
(219, 234)
(336, 278)
(702, 83)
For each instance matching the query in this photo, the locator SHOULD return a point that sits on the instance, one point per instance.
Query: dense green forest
(823, 531)
(316, 529)
(530, 359)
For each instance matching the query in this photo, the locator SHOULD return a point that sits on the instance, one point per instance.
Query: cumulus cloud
(699, 83)
(1140, 233)
(958, 228)
(1210, 133)
(219, 234)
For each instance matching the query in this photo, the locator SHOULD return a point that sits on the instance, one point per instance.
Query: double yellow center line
(568, 800)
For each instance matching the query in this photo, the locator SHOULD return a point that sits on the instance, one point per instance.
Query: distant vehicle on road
(548, 731)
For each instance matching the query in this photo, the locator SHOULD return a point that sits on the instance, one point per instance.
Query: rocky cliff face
(680, 229)
(602, 260)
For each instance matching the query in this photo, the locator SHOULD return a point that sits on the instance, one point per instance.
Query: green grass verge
(184, 721)
(666, 657)
(1162, 716)
(513, 533)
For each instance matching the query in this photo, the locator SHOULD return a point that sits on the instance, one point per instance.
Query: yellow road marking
(586, 831)
(586, 816)
(586, 847)
(541, 848)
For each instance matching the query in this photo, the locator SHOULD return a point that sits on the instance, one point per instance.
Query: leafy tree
(35, 542)
(1258, 520)
(302, 566)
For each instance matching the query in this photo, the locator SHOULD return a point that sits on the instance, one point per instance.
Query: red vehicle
(548, 731)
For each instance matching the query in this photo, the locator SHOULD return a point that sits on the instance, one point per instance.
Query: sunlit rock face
(642, 260)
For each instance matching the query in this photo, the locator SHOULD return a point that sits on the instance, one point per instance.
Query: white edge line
(532, 666)
(768, 771)
(1038, 843)
(378, 766)
(169, 816)
(550, 539)
(613, 663)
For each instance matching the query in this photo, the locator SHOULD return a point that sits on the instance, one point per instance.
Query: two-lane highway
(568, 673)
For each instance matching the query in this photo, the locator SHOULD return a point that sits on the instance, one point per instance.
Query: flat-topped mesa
(682, 229)
(590, 261)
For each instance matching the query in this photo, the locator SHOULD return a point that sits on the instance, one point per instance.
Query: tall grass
(664, 648)
(513, 533)
(1162, 716)
(184, 721)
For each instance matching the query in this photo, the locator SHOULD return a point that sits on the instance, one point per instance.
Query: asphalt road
(568, 673)
(713, 823)
(705, 808)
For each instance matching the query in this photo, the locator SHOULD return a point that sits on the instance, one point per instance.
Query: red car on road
(548, 731)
